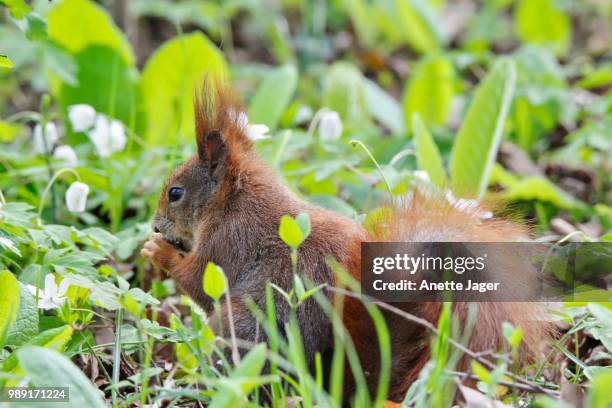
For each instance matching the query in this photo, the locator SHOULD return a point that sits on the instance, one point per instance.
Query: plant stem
(359, 143)
(50, 183)
(117, 354)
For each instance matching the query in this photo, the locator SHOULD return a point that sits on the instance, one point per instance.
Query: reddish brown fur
(234, 223)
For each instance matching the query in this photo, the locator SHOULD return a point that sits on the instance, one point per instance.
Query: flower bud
(76, 196)
(117, 136)
(330, 126)
(82, 117)
(45, 145)
(66, 154)
(107, 136)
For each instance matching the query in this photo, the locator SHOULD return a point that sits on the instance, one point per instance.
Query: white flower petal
(82, 117)
(32, 289)
(100, 136)
(76, 196)
(257, 132)
(45, 145)
(117, 136)
(421, 176)
(66, 154)
(58, 301)
(46, 303)
(50, 285)
(330, 126)
(63, 287)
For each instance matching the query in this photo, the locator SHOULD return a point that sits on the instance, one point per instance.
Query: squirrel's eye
(175, 194)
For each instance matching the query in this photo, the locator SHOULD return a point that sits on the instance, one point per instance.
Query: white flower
(257, 132)
(66, 154)
(52, 296)
(76, 196)
(107, 136)
(51, 136)
(82, 117)
(330, 125)
(421, 176)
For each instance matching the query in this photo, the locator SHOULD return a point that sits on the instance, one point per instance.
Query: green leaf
(430, 90)
(103, 81)
(512, 334)
(273, 96)
(26, 323)
(418, 24)
(476, 144)
(5, 62)
(183, 62)
(292, 232)
(482, 373)
(428, 155)
(78, 24)
(48, 368)
(600, 392)
(17, 8)
(9, 303)
(54, 339)
(214, 281)
(344, 93)
(384, 107)
(36, 27)
(540, 189)
(543, 22)
(303, 221)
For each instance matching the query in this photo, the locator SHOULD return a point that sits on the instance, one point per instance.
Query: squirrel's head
(202, 184)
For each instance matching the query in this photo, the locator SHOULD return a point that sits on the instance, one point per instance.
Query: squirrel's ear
(212, 149)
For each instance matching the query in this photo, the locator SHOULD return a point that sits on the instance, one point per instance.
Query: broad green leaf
(303, 221)
(512, 334)
(481, 372)
(26, 322)
(383, 107)
(8, 131)
(290, 231)
(36, 28)
(18, 8)
(478, 140)
(273, 96)
(48, 368)
(54, 339)
(430, 91)
(543, 22)
(103, 81)
(78, 24)
(344, 93)
(418, 23)
(214, 281)
(428, 155)
(600, 392)
(5, 62)
(9, 303)
(540, 189)
(169, 80)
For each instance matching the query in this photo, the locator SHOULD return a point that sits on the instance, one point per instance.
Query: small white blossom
(257, 132)
(330, 125)
(51, 136)
(51, 296)
(76, 196)
(107, 136)
(82, 117)
(66, 154)
(421, 176)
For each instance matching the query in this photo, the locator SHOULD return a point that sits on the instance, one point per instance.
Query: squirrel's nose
(155, 229)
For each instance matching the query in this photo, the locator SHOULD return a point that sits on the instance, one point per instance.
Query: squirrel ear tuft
(212, 149)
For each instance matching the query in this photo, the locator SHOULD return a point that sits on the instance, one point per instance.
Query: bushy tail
(427, 217)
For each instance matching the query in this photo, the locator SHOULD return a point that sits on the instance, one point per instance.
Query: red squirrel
(224, 205)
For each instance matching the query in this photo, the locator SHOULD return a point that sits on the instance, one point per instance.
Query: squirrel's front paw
(161, 253)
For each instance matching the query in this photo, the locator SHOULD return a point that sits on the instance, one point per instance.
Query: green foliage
(25, 326)
(430, 90)
(294, 231)
(184, 63)
(543, 22)
(344, 93)
(9, 303)
(428, 155)
(273, 96)
(478, 139)
(214, 281)
(5, 62)
(48, 368)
